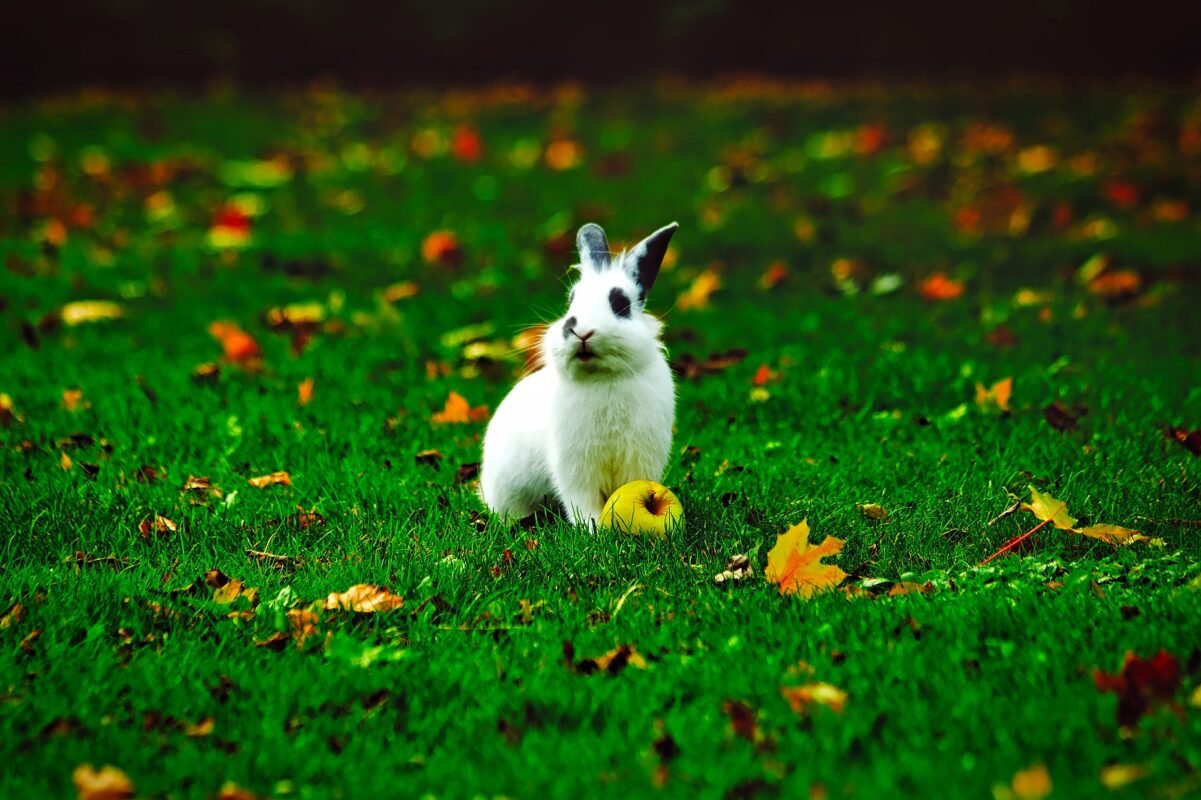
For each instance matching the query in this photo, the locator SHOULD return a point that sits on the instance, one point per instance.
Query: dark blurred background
(63, 43)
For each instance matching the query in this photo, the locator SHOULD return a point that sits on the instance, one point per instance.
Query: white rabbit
(599, 413)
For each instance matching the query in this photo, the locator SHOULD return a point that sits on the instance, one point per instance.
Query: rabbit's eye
(619, 301)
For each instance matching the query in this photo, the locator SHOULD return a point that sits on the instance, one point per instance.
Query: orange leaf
(939, 287)
(1118, 283)
(796, 566)
(365, 598)
(106, 783)
(459, 411)
(442, 247)
(997, 396)
(240, 347)
(304, 392)
(764, 375)
(275, 478)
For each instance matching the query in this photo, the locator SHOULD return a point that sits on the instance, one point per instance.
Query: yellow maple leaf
(796, 566)
(1046, 507)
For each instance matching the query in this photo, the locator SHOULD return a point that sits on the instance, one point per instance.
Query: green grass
(464, 693)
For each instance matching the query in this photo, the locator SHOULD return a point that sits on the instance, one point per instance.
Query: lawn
(198, 290)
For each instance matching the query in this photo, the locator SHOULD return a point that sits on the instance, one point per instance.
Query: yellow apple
(643, 507)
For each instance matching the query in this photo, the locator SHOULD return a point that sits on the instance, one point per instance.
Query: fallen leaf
(8, 413)
(738, 568)
(700, 290)
(1028, 784)
(562, 154)
(802, 698)
(1117, 776)
(873, 511)
(200, 487)
(106, 783)
(1113, 534)
(742, 719)
(1190, 440)
(280, 477)
(776, 274)
(938, 287)
(1046, 507)
(1142, 684)
(230, 228)
(459, 411)
(795, 566)
(26, 644)
(997, 396)
(364, 598)
(611, 662)
(304, 392)
(83, 312)
(430, 458)
(764, 375)
(443, 248)
(1116, 284)
(199, 729)
(239, 346)
(687, 365)
(11, 617)
(156, 527)
(1062, 418)
(73, 400)
(399, 291)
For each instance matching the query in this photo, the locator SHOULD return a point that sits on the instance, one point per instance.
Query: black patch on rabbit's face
(619, 301)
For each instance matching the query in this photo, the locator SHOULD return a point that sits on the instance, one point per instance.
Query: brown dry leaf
(742, 719)
(364, 598)
(802, 698)
(159, 526)
(796, 566)
(27, 643)
(1061, 417)
(939, 287)
(459, 411)
(239, 346)
(303, 623)
(1113, 534)
(873, 511)
(611, 662)
(1190, 440)
(304, 392)
(1117, 776)
(200, 487)
(738, 568)
(700, 290)
(106, 783)
(274, 479)
(911, 587)
(997, 396)
(85, 311)
(11, 617)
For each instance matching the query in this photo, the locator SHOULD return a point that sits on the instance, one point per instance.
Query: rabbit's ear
(593, 246)
(643, 262)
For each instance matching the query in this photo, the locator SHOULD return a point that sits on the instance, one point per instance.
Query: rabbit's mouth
(584, 354)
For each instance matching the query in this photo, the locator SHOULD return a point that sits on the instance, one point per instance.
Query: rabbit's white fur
(578, 429)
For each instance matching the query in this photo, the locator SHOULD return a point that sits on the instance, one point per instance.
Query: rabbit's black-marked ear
(593, 246)
(643, 262)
